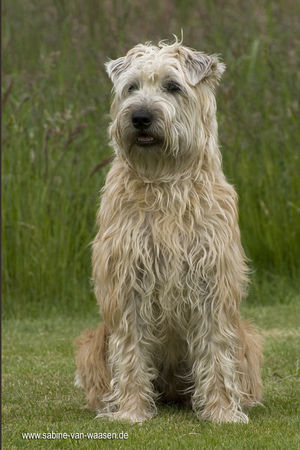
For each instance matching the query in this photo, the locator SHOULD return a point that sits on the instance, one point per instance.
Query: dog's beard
(148, 155)
(159, 152)
(148, 152)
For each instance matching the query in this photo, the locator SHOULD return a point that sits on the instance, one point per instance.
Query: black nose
(141, 119)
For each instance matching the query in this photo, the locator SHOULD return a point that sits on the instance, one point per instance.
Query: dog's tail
(91, 361)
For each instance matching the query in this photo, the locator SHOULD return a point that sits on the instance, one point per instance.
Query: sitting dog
(168, 265)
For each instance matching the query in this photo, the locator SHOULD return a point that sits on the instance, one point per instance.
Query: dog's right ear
(115, 67)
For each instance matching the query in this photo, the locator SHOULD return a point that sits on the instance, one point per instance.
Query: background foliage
(56, 101)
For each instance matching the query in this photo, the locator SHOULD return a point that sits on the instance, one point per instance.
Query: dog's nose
(141, 119)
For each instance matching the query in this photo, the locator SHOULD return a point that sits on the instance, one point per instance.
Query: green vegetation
(55, 132)
(55, 104)
(39, 395)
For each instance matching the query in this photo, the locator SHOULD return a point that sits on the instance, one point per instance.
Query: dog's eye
(172, 87)
(132, 87)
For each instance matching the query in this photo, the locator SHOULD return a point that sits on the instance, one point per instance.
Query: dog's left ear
(199, 66)
(115, 67)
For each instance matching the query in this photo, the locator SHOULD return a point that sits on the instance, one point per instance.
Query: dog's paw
(125, 416)
(133, 416)
(225, 416)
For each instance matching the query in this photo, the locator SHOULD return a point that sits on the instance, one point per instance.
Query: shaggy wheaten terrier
(168, 265)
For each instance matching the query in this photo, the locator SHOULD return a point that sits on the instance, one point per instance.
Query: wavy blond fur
(168, 265)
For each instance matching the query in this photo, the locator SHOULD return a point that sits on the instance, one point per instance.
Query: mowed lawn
(39, 395)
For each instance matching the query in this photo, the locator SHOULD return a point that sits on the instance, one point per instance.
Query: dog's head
(164, 108)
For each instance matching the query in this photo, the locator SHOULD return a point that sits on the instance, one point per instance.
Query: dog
(168, 266)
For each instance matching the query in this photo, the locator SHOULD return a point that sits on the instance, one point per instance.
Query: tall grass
(55, 121)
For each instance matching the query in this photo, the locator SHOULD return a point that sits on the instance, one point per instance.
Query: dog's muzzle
(142, 120)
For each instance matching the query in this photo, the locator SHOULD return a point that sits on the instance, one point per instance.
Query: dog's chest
(170, 250)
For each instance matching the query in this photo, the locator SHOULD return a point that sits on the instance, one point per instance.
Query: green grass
(55, 132)
(39, 396)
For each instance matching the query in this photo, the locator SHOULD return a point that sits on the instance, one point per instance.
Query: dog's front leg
(132, 371)
(217, 395)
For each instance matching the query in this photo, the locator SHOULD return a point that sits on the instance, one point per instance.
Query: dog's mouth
(146, 140)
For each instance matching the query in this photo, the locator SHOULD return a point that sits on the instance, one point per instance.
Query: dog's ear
(115, 67)
(198, 66)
